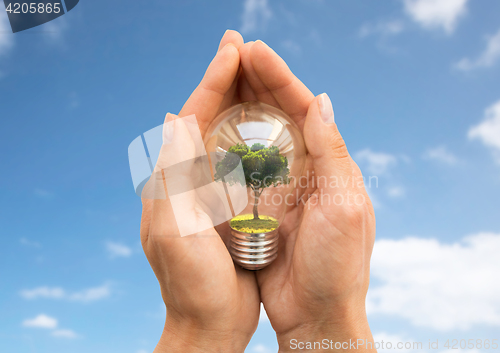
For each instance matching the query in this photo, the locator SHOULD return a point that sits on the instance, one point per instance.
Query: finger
(245, 91)
(235, 38)
(175, 212)
(177, 150)
(257, 87)
(231, 95)
(231, 36)
(174, 173)
(154, 195)
(289, 92)
(205, 101)
(323, 140)
(147, 210)
(335, 174)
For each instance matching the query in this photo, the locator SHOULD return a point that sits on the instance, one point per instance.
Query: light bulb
(270, 147)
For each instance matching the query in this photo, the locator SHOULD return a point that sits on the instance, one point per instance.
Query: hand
(212, 305)
(316, 288)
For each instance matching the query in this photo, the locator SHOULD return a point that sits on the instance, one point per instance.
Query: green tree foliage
(263, 167)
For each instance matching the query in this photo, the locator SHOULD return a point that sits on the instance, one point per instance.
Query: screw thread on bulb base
(254, 251)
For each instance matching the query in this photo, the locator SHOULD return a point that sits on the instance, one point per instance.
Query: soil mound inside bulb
(247, 224)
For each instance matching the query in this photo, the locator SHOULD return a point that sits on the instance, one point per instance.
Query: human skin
(317, 286)
(212, 305)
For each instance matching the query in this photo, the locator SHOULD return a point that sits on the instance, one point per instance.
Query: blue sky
(416, 94)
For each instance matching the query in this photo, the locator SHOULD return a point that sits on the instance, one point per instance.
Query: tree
(263, 167)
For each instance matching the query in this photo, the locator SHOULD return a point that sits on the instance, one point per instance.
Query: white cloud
(41, 321)
(381, 340)
(42, 193)
(55, 29)
(488, 131)
(6, 35)
(376, 163)
(288, 15)
(91, 294)
(396, 191)
(291, 46)
(74, 100)
(384, 28)
(27, 242)
(117, 249)
(436, 14)
(256, 14)
(84, 296)
(440, 154)
(65, 333)
(263, 314)
(487, 58)
(437, 285)
(43, 292)
(260, 348)
(315, 37)
(50, 323)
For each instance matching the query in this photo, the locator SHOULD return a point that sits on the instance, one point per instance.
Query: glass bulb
(271, 150)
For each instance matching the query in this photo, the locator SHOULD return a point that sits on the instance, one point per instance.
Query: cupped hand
(316, 288)
(212, 305)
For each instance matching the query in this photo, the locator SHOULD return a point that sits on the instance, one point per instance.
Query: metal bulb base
(254, 251)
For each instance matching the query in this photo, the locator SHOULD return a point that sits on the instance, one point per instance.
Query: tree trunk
(255, 205)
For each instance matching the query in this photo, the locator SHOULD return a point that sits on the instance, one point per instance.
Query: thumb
(336, 177)
(324, 142)
(175, 211)
(338, 180)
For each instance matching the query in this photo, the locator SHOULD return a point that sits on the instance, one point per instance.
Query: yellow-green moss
(245, 223)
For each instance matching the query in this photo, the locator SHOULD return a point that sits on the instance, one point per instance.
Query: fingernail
(326, 109)
(229, 44)
(168, 129)
(258, 40)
